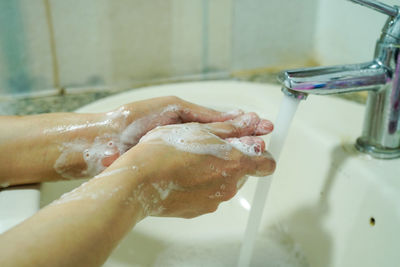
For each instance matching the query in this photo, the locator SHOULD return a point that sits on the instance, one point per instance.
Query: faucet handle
(392, 11)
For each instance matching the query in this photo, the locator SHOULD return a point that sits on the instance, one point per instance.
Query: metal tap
(380, 77)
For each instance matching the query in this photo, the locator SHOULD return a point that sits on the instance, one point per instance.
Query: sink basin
(328, 205)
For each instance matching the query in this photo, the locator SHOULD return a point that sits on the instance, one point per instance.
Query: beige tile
(25, 58)
(273, 33)
(140, 39)
(219, 35)
(82, 41)
(347, 32)
(187, 37)
(155, 39)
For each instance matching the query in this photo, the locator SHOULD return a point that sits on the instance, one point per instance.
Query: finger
(261, 165)
(248, 144)
(194, 113)
(245, 125)
(259, 162)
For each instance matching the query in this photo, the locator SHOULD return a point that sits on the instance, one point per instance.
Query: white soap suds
(93, 154)
(148, 202)
(164, 190)
(101, 148)
(250, 150)
(107, 145)
(186, 138)
(273, 248)
(133, 132)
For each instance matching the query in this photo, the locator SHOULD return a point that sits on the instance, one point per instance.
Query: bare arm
(168, 173)
(57, 146)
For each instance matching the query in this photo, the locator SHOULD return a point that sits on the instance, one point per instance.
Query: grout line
(53, 50)
(118, 88)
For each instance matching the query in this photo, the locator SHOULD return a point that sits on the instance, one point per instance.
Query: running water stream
(282, 124)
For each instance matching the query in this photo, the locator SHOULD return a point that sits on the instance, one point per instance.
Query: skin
(84, 226)
(34, 143)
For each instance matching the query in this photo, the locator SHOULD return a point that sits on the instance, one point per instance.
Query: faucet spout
(336, 79)
(380, 136)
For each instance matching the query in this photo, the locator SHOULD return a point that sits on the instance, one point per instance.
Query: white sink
(328, 204)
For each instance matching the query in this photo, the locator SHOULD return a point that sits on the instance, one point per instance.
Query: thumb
(258, 161)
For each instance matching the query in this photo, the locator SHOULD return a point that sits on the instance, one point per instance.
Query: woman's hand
(50, 147)
(178, 170)
(122, 128)
(187, 170)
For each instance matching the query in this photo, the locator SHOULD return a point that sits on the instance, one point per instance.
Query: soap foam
(164, 190)
(106, 145)
(134, 131)
(187, 138)
(250, 150)
(149, 202)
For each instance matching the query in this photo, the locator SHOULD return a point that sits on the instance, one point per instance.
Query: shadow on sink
(312, 226)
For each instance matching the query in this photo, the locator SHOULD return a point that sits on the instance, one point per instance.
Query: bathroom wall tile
(119, 42)
(140, 39)
(219, 35)
(82, 41)
(187, 29)
(346, 32)
(25, 58)
(155, 39)
(274, 33)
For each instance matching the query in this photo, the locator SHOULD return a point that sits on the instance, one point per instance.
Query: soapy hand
(177, 170)
(119, 130)
(187, 170)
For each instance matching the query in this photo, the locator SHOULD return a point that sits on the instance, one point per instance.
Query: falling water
(285, 116)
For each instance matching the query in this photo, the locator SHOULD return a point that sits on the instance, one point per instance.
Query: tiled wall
(273, 33)
(25, 58)
(346, 32)
(48, 44)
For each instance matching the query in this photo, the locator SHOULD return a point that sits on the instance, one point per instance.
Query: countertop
(69, 101)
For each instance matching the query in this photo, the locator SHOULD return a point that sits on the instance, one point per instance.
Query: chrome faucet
(380, 77)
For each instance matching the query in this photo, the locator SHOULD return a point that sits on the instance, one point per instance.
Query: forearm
(49, 147)
(31, 147)
(80, 229)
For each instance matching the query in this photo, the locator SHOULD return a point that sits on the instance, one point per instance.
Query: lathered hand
(50, 147)
(177, 170)
(187, 170)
